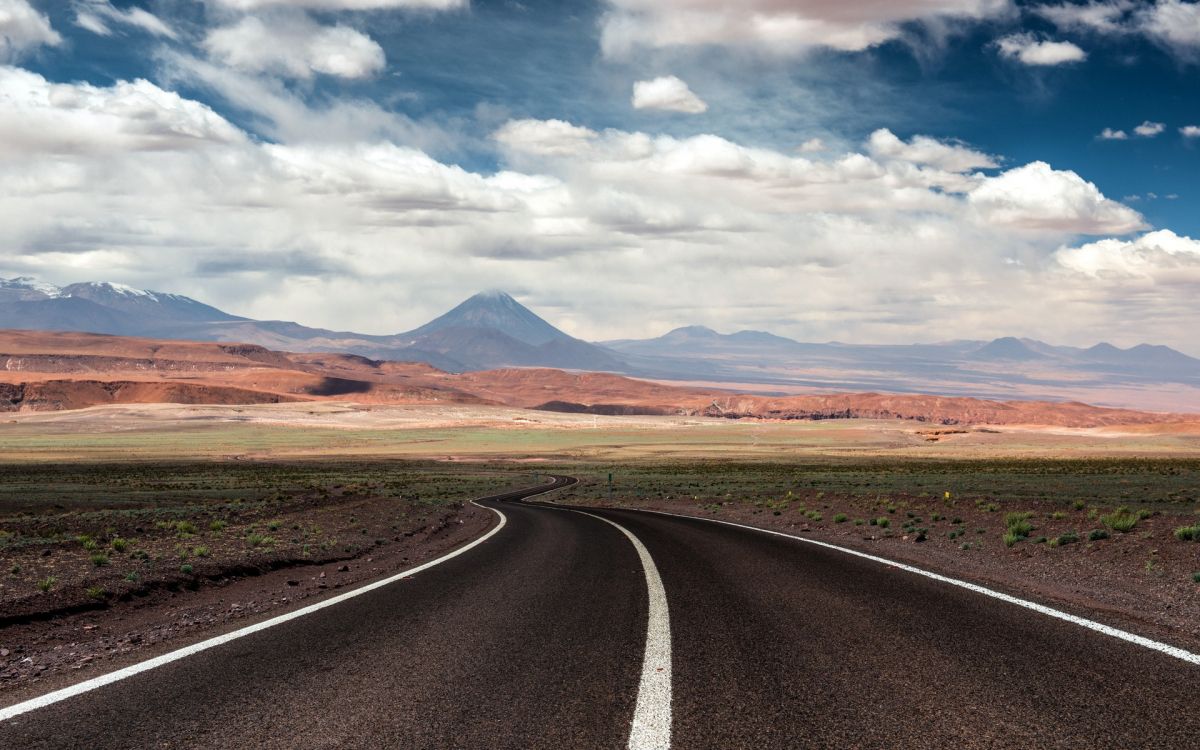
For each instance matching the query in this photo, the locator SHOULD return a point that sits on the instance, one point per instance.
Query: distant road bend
(586, 628)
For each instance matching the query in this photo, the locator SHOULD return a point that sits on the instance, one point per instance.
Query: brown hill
(46, 371)
(936, 409)
(53, 395)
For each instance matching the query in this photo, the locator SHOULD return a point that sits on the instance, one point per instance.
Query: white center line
(651, 729)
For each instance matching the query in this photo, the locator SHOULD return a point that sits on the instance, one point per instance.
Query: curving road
(548, 634)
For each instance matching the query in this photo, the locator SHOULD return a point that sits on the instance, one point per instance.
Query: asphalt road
(537, 638)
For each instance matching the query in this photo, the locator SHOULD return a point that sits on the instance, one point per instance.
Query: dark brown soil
(60, 636)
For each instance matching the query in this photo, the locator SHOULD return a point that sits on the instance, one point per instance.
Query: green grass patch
(1121, 520)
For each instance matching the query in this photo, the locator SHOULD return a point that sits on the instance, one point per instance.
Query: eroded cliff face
(53, 395)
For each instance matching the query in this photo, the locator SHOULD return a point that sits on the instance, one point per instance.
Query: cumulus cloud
(546, 137)
(667, 93)
(1029, 50)
(952, 157)
(1190, 131)
(22, 28)
(296, 46)
(95, 16)
(777, 25)
(1038, 197)
(1162, 256)
(1108, 134)
(811, 146)
(37, 116)
(1149, 129)
(124, 182)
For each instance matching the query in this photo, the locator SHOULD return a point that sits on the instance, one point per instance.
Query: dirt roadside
(42, 654)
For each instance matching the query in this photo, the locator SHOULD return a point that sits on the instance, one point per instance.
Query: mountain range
(492, 330)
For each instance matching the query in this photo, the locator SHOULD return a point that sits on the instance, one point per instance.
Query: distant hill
(100, 307)
(488, 330)
(1007, 348)
(145, 304)
(45, 371)
(496, 311)
(700, 339)
(493, 330)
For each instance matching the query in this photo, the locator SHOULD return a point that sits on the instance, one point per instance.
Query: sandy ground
(465, 431)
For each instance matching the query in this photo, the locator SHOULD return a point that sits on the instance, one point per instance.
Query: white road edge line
(1099, 627)
(107, 679)
(651, 728)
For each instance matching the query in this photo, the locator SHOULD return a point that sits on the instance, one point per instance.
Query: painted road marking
(651, 728)
(145, 666)
(1099, 627)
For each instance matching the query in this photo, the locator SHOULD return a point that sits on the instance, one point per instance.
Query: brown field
(479, 432)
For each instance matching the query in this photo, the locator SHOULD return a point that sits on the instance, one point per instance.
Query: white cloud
(546, 137)
(777, 25)
(1108, 17)
(296, 46)
(22, 28)
(92, 22)
(335, 5)
(37, 116)
(133, 183)
(1162, 256)
(811, 146)
(282, 114)
(1029, 50)
(1190, 131)
(93, 15)
(952, 157)
(1039, 197)
(667, 93)
(1174, 24)
(1149, 129)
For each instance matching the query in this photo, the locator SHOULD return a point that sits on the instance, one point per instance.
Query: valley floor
(128, 530)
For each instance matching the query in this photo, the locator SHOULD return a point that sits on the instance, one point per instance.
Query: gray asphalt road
(535, 639)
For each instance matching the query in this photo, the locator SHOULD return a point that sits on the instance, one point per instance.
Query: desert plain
(131, 528)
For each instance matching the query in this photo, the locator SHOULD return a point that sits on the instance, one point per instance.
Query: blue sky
(531, 103)
(542, 59)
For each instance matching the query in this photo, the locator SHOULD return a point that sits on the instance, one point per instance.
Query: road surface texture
(544, 636)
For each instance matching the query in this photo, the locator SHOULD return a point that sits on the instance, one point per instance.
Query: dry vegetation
(1112, 535)
(85, 536)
